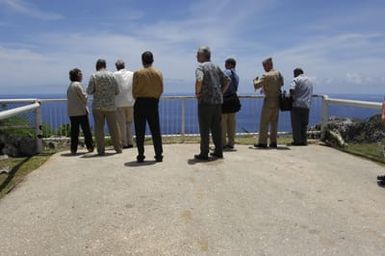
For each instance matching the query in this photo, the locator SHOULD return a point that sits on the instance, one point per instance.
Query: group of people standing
(301, 91)
(213, 87)
(124, 97)
(120, 99)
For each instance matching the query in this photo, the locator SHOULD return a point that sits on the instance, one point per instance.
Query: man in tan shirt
(270, 83)
(146, 90)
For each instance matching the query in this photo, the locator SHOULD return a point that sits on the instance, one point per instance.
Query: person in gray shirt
(210, 84)
(301, 90)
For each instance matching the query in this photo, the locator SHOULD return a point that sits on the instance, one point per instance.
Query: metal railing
(34, 106)
(327, 102)
(178, 114)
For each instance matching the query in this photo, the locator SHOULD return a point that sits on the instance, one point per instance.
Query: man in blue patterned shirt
(210, 84)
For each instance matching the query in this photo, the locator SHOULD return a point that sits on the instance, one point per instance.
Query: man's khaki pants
(100, 116)
(125, 119)
(269, 116)
(228, 127)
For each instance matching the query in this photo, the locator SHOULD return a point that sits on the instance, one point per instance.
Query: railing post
(38, 129)
(324, 115)
(183, 120)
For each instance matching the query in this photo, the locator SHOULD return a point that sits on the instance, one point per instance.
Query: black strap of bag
(231, 103)
(285, 101)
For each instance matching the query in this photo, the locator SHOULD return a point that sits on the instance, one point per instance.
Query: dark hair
(74, 75)
(100, 63)
(231, 61)
(297, 72)
(147, 58)
(267, 61)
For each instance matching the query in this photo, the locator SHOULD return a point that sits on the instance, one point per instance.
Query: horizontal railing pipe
(355, 103)
(10, 101)
(167, 97)
(184, 123)
(12, 112)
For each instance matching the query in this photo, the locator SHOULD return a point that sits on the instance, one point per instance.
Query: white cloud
(345, 62)
(19, 55)
(25, 8)
(339, 63)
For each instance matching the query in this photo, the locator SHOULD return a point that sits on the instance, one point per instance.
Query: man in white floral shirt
(104, 87)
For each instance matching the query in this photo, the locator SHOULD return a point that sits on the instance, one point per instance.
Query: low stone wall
(340, 131)
(15, 146)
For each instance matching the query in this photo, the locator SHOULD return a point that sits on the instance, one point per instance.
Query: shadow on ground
(73, 155)
(278, 148)
(106, 154)
(12, 174)
(136, 164)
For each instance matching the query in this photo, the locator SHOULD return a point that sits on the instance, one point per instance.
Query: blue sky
(340, 44)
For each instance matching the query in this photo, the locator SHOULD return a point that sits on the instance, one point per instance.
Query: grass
(19, 167)
(372, 151)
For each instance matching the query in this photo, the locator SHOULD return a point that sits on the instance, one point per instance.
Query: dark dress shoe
(228, 147)
(273, 145)
(140, 159)
(381, 183)
(298, 144)
(381, 177)
(129, 146)
(259, 145)
(158, 158)
(201, 157)
(217, 155)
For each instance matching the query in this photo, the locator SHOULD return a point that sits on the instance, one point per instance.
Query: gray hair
(205, 50)
(119, 64)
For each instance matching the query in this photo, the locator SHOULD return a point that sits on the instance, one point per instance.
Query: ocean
(54, 114)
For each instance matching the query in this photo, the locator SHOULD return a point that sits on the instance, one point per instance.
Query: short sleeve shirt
(104, 87)
(301, 90)
(233, 86)
(213, 79)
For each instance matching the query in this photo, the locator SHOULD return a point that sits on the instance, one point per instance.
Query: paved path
(299, 201)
